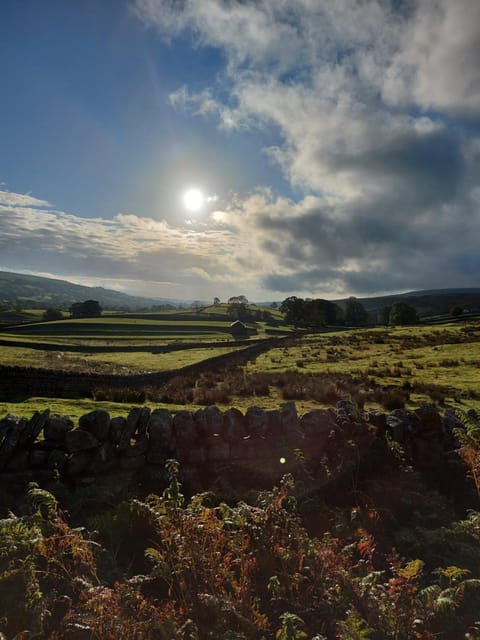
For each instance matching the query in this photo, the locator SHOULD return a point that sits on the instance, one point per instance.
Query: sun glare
(193, 199)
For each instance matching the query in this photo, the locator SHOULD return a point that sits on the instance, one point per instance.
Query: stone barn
(238, 330)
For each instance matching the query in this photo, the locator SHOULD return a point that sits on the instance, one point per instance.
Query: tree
(402, 313)
(456, 312)
(385, 314)
(310, 313)
(216, 301)
(293, 309)
(238, 300)
(51, 314)
(238, 311)
(87, 309)
(355, 312)
(320, 312)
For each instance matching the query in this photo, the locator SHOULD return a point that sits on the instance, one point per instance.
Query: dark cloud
(430, 167)
(326, 279)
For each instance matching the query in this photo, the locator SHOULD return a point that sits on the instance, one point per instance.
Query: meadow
(121, 344)
(382, 367)
(425, 363)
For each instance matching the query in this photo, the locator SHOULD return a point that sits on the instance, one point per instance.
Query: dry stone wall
(250, 447)
(18, 381)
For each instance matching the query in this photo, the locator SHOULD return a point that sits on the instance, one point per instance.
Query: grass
(147, 362)
(436, 363)
(118, 326)
(379, 367)
(117, 362)
(130, 329)
(77, 408)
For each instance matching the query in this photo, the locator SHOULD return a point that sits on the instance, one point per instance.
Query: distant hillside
(37, 292)
(427, 303)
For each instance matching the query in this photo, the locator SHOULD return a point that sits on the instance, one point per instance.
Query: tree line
(86, 309)
(316, 312)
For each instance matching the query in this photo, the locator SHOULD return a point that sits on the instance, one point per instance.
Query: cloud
(9, 199)
(367, 247)
(436, 65)
(377, 109)
(377, 105)
(127, 247)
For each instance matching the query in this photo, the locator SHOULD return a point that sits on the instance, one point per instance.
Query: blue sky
(341, 142)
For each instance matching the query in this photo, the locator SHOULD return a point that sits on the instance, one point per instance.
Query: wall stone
(210, 442)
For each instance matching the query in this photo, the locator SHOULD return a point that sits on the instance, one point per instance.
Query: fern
(469, 438)
(355, 628)
(445, 603)
(41, 501)
(290, 629)
(172, 493)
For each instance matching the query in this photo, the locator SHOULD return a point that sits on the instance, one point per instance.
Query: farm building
(238, 330)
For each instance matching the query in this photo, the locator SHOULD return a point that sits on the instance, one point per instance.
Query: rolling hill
(427, 303)
(37, 292)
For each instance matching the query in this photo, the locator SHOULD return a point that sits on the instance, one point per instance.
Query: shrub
(52, 314)
(391, 399)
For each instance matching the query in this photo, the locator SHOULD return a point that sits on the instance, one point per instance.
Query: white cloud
(127, 247)
(9, 199)
(437, 62)
(364, 95)
(327, 74)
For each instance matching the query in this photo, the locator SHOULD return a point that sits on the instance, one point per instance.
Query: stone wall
(28, 381)
(254, 447)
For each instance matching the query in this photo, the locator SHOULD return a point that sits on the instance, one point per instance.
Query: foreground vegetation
(381, 554)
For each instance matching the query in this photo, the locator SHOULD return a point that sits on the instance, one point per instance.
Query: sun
(193, 199)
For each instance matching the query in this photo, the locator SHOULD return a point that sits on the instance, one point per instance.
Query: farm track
(27, 381)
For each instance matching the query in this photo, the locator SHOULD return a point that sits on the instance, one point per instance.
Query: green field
(74, 344)
(112, 363)
(420, 364)
(437, 363)
(155, 329)
(77, 408)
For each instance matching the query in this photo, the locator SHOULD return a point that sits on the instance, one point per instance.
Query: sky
(336, 145)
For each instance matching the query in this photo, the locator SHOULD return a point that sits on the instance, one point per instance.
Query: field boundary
(79, 348)
(29, 381)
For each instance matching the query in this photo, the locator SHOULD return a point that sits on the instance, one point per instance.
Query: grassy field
(432, 363)
(111, 363)
(120, 327)
(22, 343)
(142, 329)
(378, 367)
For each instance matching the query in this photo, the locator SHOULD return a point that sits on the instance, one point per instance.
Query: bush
(52, 314)
(391, 399)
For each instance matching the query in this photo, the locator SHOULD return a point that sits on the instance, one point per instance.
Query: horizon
(408, 292)
(194, 150)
